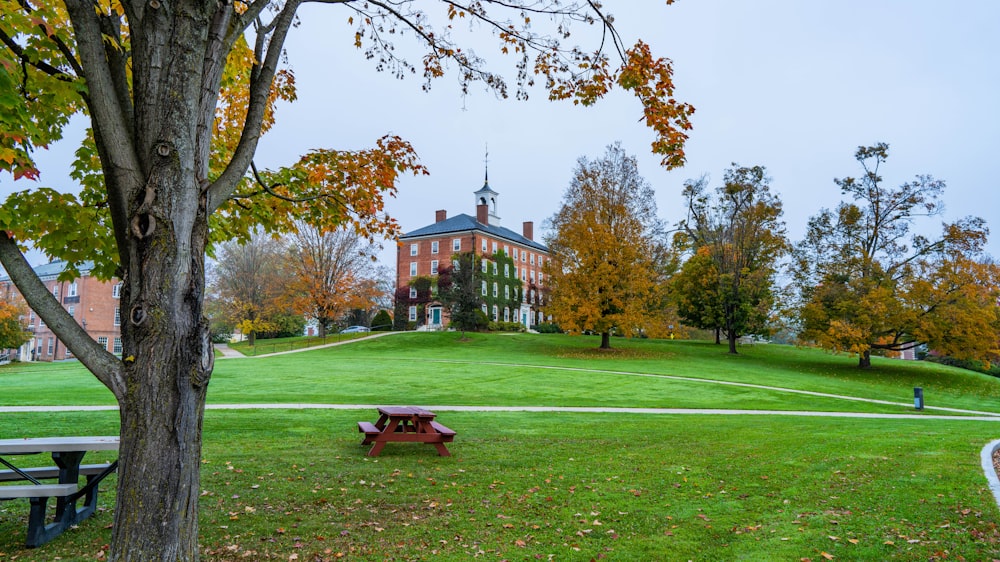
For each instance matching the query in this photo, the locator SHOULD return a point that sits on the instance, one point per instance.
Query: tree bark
(865, 359)
(605, 340)
(718, 336)
(731, 337)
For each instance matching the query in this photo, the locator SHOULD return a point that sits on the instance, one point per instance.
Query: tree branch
(105, 366)
(260, 88)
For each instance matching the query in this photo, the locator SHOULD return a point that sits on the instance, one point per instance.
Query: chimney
(440, 216)
(483, 214)
(529, 230)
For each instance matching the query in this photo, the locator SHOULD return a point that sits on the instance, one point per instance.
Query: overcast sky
(795, 86)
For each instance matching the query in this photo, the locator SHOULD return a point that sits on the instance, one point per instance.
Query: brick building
(511, 264)
(92, 302)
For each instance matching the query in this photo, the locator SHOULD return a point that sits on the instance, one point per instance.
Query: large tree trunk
(168, 354)
(168, 360)
(731, 337)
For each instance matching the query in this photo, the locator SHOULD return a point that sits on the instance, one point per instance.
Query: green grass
(571, 486)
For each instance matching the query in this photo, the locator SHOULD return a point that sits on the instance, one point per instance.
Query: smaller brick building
(503, 255)
(92, 302)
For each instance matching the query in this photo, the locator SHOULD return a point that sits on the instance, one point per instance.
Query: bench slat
(37, 491)
(442, 429)
(44, 472)
(368, 428)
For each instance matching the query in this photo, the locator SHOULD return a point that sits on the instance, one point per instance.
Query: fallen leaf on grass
(826, 555)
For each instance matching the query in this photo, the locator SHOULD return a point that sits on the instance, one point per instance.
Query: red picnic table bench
(405, 424)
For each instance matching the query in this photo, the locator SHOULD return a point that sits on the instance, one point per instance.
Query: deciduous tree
(866, 282)
(174, 135)
(247, 282)
(330, 273)
(737, 236)
(602, 271)
(12, 331)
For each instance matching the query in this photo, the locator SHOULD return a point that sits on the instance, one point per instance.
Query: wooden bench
(38, 495)
(50, 472)
(37, 491)
(446, 433)
(368, 428)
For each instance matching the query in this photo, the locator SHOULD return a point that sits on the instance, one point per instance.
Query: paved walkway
(230, 353)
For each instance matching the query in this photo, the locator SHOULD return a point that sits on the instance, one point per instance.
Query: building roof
(465, 223)
(51, 270)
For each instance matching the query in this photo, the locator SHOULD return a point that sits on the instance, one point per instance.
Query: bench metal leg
(38, 532)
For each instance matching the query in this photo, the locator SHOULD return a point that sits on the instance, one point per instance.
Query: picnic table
(405, 424)
(67, 454)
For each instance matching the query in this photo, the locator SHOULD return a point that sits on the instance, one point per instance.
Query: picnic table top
(406, 411)
(58, 444)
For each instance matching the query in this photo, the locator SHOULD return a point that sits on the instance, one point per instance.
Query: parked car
(354, 330)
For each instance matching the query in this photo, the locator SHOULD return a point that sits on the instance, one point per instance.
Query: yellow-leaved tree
(605, 270)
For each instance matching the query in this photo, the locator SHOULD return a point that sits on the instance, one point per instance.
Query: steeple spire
(486, 165)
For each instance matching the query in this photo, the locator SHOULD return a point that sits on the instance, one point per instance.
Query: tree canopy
(602, 271)
(868, 282)
(178, 94)
(737, 237)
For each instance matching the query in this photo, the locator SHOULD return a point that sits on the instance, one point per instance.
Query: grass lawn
(295, 484)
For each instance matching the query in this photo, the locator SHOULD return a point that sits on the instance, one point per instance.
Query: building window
(413, 249)
(434, 267)
(506, 291)
(496, 313)
(71, 290)
(413, 292)
(454, 265)
(434, 247)
(532, 275)
(506, 270)
(116, 291)
(456, 244)
(103, 342)
(524, 257)
(494, 268)
(484, 245)
(41, 323)
(55, 293)
(118, 316)
(532, 259)
(31, 317)
(72, 311)
(506, 314)
(523, 276)
(413, 268)
(515, 254)
(413, 314)
(506, 250)
(118, 346)
(484, 265)
(51, 348)
(532, 295)
(496, 290)
(484, 288)
(484, 309)
(494, 247)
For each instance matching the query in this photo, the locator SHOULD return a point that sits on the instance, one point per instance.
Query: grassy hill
(565, 485)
